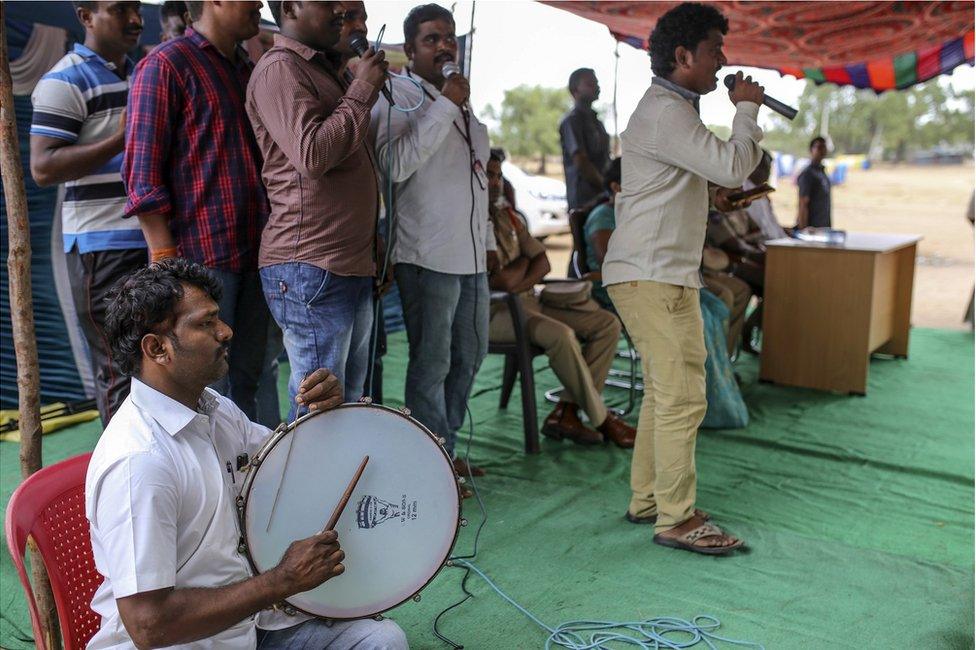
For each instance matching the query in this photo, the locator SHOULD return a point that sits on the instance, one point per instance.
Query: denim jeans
(447, 328)
(326, 320)
(243, 308)
(364, 634)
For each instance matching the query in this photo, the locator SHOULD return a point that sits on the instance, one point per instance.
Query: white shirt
(761, 211)
(434, 184)
(669, 157)
(161, 505)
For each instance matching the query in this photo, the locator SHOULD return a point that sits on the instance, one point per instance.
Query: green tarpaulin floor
(858, 513)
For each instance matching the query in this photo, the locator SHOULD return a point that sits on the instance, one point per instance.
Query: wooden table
(827, 308)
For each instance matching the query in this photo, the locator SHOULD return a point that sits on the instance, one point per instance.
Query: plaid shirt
(190, 152)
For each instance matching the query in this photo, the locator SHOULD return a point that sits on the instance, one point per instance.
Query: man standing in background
(193, 172)
(814, 189)
(76, 138)
(585, 142)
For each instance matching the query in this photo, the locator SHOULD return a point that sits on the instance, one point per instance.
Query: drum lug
(461, 480)
(242, 548)
(379, 617)
(406, 411)
(366, 399)
(442, 441)
(416, 598)
(289, 610)
(464, 522)
(240, 501)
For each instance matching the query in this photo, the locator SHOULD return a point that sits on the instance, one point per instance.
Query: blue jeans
(447, 327)
(365, 634)
(326, 320)
(243, 308)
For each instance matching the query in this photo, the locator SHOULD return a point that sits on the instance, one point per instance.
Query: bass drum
(401, 521)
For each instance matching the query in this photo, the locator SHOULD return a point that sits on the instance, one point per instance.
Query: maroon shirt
(312, 128)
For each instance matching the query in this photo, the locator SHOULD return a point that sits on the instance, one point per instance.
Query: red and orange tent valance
(877, 45)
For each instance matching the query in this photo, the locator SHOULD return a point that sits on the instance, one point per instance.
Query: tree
(891, 124)
(528, 121)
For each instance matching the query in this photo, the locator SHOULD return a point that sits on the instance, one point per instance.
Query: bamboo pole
(22, 318)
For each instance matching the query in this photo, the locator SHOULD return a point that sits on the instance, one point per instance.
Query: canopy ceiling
(877, 45)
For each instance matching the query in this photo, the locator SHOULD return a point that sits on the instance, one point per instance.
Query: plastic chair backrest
(49, 508)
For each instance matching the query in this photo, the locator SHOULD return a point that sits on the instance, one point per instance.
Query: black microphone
(359, 45)
(786, 111)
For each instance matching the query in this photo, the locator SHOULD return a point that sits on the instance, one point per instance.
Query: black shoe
(634, 519)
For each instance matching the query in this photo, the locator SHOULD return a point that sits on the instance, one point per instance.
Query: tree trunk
(22, 319)
(542, 165)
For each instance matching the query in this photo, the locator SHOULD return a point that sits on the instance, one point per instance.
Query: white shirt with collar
(669, 157)
(160, 501)
(430, 164)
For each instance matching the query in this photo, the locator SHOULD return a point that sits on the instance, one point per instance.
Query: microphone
(786, 111)
(448, 70)
(359, 45)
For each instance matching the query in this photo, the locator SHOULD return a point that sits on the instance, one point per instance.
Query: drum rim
(277, 436)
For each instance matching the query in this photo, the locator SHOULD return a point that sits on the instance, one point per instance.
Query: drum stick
(284, 468)
(345, 496)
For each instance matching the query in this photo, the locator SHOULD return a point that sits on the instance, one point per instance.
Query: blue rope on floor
(652, 634)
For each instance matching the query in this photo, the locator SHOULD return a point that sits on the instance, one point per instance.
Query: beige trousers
(736, 294)
(665, 323)
(581, 369)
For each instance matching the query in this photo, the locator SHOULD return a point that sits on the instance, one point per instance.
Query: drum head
(398, 527)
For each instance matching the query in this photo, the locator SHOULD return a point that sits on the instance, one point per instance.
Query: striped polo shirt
(80, 100)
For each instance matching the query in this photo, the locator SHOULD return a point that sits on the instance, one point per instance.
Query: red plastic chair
(49, 507)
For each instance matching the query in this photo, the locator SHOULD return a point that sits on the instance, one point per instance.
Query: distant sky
(523, 42)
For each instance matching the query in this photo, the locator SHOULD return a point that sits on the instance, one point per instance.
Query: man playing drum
(164, 478)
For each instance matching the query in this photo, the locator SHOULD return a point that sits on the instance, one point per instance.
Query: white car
(542, 200)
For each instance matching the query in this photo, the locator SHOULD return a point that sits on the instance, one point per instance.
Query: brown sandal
(652, 519)
(687, 541)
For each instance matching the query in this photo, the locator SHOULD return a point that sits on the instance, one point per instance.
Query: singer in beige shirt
(651, 268)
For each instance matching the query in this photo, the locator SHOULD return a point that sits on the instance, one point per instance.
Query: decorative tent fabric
(876, 45)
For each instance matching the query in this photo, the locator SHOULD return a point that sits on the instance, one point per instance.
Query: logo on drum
(373, 511)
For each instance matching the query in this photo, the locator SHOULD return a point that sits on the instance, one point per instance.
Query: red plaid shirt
(190, 152)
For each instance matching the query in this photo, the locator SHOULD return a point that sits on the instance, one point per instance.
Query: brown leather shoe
(621, 433)
(564, 422)
(467, 470)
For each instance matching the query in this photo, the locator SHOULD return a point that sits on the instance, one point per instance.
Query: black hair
(498, 154)
(817, 139)
(766, 163)
(423, 14)
(576, 76)
(172, 8)
(686, 26)
(275, 7)
(146, 298)
(195, 9)
(612, 174)
(87, 4)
